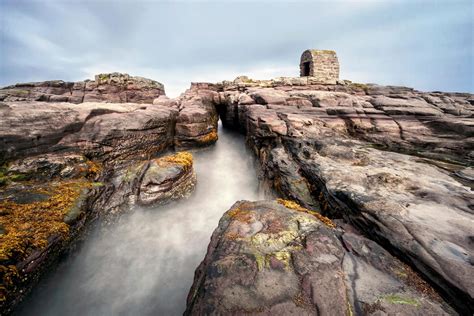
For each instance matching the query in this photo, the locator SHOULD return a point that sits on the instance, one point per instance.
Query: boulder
(278, 258)
(166, 179)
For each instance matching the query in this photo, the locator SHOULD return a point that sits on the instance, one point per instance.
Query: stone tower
(321, 64)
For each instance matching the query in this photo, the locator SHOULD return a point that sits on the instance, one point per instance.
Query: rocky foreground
(278, 258)
(390, 166)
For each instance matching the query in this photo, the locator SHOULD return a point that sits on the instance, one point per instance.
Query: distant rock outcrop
(113, 87)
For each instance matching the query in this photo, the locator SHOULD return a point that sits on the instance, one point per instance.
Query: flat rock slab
(105, 131)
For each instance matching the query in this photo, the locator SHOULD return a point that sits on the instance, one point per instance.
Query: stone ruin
(321, 64)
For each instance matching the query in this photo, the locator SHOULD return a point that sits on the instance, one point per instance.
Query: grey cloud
(427, 45)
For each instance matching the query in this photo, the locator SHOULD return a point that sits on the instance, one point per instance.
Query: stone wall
(322, 64)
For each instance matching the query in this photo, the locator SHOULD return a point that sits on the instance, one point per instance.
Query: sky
(423, 44)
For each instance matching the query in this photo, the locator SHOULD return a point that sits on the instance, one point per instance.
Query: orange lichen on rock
(182, 158)
(295, 206)
(28, 226)
(210, 137)
(241, 215)
(94, 168)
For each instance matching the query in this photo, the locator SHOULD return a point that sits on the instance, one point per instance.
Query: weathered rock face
(102, 131)
(389, 162)
(196, 124)
(149, 182)
(114, 87)
(63, 165)
(168, 178)
(46, 203)
(269, 258)
(392, 161)
(44, 206)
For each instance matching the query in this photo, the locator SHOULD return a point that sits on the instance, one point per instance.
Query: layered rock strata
(391, 161)
(103, 131)
(197, 121)
(64, 165)
(112, 87)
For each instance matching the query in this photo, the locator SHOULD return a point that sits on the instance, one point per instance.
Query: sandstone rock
(167, 179)
(342, 153)
(99, 130)
(196, 124)
(47, 202)
(113, 87)
(269, 96)
(148, 182)
(268, 259)
(54, 165)
(38, 221)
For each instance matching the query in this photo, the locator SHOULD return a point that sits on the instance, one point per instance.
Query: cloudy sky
(423, 44)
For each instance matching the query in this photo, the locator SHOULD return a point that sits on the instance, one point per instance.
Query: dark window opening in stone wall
(306, 68)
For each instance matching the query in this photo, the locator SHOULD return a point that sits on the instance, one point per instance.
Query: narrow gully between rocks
(145, 263)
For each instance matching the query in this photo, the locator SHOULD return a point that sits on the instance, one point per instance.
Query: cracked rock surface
(392, 162)
(266, 258)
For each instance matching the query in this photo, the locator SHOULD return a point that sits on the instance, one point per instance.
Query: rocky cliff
(64, 165)
(393, 162)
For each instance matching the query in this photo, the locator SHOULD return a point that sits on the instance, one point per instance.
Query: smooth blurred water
(145, 264)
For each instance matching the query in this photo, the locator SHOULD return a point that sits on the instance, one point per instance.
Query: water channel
(144, 264)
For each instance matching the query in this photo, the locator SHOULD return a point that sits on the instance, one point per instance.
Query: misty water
(145, 263)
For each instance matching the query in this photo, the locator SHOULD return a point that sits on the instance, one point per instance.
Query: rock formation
(391, 167)
(113, 87)
(391, 161)
(277, 258)
(103, 131)
(64, 165)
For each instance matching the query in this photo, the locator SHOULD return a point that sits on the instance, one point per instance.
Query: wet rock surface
(277, 258)
(167, 178)
(149, 182)
(40, 215)
(47, 204)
